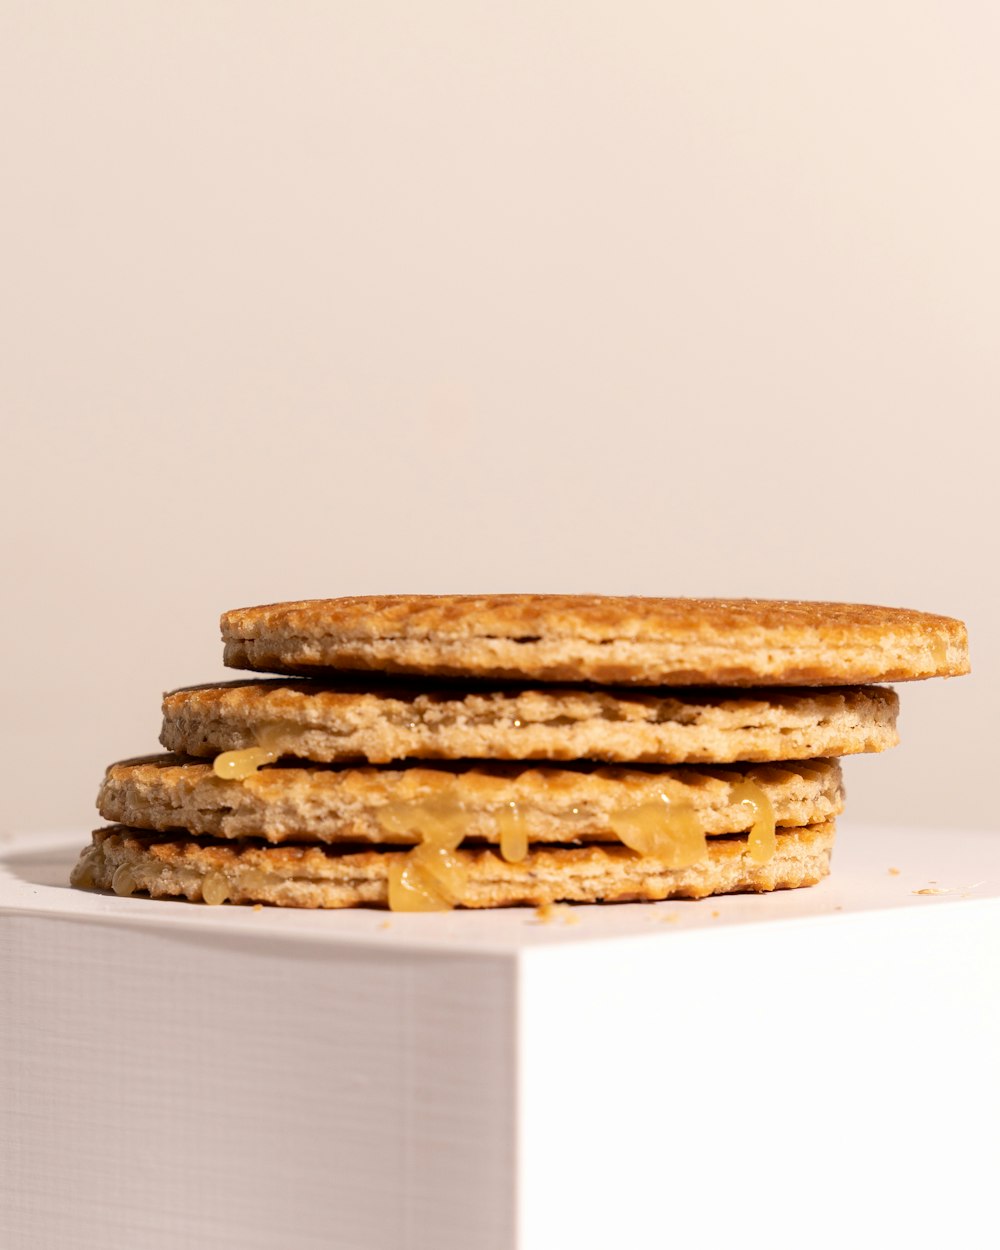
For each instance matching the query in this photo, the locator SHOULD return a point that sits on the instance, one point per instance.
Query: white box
(813, 1068)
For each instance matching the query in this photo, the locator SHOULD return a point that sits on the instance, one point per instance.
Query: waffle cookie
(313, 876)
(599, 638)
(329, 724)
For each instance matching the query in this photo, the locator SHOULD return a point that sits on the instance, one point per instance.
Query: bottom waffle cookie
(165, 866)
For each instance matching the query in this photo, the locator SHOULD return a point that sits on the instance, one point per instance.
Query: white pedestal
(813, 1068)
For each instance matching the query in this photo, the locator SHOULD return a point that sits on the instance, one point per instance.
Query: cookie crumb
(257, 907)
(933, 888)
(670, 918)
(893, 872)
(716, 915)
(386, 924)
(550, 912)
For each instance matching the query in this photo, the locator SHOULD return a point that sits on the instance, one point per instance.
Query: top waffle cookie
(599, 638)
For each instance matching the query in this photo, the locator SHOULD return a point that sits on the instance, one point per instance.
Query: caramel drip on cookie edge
(762, 839)
(238, 765)
(513, 833)
(663, 829)
(431, 877)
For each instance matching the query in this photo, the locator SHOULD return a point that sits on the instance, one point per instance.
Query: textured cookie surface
(371, 804)
(297, 876)
(348, 722)
(599, 638)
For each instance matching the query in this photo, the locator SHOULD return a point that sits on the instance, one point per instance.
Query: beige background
(317, 298)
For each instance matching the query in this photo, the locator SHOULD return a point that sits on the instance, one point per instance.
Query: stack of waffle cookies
(430, 752)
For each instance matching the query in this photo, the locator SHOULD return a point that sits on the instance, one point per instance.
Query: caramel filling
(123, 882)
(663, 829)
(439, 820)
(513, 833)
(431, 877)
(762, 840)
(214, 888)
(238, 765)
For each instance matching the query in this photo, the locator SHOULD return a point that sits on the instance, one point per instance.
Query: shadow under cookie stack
(430, 752)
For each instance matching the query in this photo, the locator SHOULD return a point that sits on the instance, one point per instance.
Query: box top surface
(875, 870)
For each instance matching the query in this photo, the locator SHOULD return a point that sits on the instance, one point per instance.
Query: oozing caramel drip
(762, 840)
(431, 877)
(123, 882)
(214, 888)
(238, 765)
(439, 821)
(428, 878)
(513, 833)
(661, 828)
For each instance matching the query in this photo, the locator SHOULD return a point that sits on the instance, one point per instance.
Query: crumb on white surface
(548, 913)
(963, 890)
